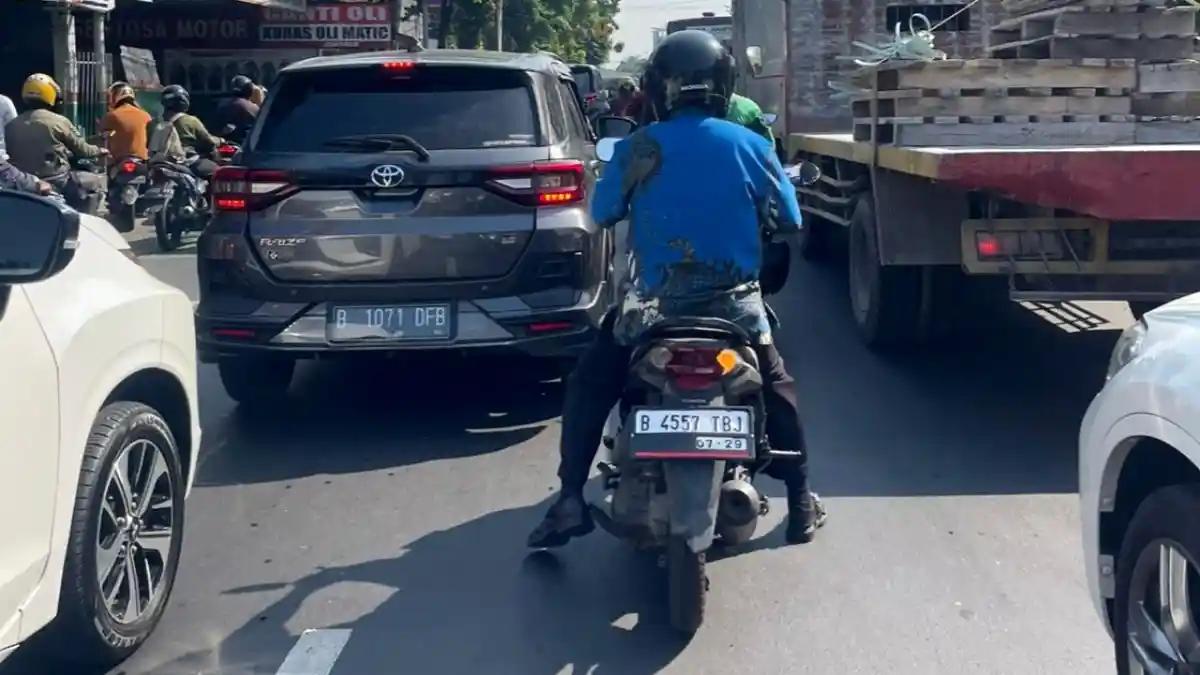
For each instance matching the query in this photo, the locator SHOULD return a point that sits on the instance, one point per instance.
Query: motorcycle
(691, 440)
(84, 200)
(126, 182)
(180, 201)
(226, 152)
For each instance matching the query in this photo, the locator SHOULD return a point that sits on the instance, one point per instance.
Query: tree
(634, 65)
(578, 31)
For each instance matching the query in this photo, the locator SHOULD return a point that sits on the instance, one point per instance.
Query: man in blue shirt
(696, 190)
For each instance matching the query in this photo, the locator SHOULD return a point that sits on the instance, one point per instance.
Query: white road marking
(315, 652)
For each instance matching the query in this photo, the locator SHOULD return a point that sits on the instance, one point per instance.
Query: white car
(99, 429)
(1140, 491)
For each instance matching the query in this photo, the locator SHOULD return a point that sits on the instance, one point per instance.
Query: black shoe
(805, 518)
(567, 518)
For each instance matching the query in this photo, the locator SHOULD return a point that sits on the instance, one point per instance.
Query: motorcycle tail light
(226, 151)
(128, 167)
(699, 367)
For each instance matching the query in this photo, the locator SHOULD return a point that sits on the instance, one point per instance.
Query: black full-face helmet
(690, 69)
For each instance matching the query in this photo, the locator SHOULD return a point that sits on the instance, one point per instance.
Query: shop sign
(347, 24)
(194, 30)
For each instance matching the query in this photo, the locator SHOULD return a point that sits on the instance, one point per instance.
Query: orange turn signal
(728, 360)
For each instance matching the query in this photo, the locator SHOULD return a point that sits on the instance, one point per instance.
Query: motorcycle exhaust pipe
(737, 512)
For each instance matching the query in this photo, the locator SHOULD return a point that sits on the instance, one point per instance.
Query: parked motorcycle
(691, 441)
(127, 179)
(180, 202)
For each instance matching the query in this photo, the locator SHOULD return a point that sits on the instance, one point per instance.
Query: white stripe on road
(315, 652)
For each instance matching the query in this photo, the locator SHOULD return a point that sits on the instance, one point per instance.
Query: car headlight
(1128, 347)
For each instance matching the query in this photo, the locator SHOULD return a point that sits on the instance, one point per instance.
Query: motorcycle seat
(696, 327)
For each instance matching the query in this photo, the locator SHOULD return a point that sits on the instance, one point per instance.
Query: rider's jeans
(599, 380)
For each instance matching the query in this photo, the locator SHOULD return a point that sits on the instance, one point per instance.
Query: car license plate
(388, 323)
(696, 433)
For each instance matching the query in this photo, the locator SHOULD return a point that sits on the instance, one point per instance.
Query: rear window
(442, 108)
(585, 81)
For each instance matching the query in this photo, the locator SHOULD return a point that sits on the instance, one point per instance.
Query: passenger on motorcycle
(237, 115)
(695, 189)
(42, 142)
(189, 131)
(125, 124)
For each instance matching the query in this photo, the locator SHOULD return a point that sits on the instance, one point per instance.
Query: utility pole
(499, 25)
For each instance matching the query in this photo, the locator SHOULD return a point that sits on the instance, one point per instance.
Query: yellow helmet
(39, 88)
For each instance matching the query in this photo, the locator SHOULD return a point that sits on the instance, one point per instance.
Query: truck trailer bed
(1117, 182)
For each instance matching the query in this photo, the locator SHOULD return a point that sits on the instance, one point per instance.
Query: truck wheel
(256, 381)
(885, 300)
(1160, 552)
(687, 586)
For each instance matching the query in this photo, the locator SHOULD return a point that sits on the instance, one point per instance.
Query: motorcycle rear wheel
(687, 586)
(122, 218)
(169, 238)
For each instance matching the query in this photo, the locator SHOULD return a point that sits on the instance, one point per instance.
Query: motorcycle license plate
(691, 433)
(129, 195)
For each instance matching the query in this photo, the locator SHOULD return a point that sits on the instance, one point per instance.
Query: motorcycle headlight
(1128, 347)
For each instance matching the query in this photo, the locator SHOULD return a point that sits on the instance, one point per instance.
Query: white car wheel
(126, 536)
(1158, 586)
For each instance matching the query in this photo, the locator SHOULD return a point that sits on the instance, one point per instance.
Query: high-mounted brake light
(542, 183)
(398, 65)
(236, 188)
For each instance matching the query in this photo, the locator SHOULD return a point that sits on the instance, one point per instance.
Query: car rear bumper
(496, 325)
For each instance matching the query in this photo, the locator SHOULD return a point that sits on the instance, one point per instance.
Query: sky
(637, 17)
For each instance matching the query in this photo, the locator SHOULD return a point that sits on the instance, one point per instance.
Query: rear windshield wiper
(379, 142)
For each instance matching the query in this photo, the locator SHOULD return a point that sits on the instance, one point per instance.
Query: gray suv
(385, 201)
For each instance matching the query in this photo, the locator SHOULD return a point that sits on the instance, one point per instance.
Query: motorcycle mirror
(804, 173)
(770, 118)
(754, 57)
(605, 148)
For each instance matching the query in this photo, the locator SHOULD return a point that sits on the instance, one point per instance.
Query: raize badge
(280, 249)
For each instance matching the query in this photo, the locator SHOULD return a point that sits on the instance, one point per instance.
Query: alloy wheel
(1162, 627)
(136, 531)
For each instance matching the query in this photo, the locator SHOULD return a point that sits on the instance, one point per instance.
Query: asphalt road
(386, 510)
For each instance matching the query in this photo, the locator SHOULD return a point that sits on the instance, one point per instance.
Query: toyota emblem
(387, 175)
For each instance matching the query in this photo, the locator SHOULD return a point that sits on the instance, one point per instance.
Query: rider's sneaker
(805, 518)
(568, 517)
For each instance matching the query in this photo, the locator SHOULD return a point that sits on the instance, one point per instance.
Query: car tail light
(542, 183)
(236, 188)
(128, 167)
(699, 367)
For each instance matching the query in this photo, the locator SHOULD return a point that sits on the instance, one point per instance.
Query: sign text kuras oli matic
(328, 23)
